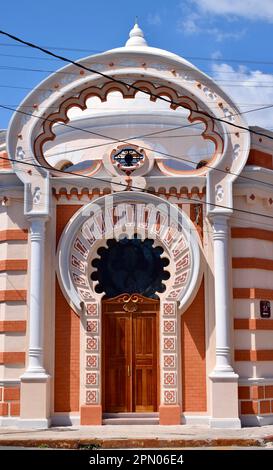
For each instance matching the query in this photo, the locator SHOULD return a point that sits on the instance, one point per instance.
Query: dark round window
(130, 266)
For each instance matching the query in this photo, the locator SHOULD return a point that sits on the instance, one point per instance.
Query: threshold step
(130, 421)
(130, 415)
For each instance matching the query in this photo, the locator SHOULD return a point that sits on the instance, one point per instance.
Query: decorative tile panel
(81, 248)
(168, 309)
(91, 397)
(169, 361)
(91, 309)
(91, 364)
(181, 279)
(92, 361)
(92, 343)
(169, 343)
(169, 397)
(169, 326)
(183, 262)
(77, 263)
(92, 378)
(85, 294)
(92, 326)
(169, 379)
(80, 280)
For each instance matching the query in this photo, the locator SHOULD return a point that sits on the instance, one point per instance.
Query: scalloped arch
(127, 92)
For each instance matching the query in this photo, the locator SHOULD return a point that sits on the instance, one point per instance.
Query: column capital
(220, 225)
(37, 227)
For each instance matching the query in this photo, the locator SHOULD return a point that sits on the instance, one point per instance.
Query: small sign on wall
(265, 310)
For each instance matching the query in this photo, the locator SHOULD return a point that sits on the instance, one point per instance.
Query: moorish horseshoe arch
(110, 217)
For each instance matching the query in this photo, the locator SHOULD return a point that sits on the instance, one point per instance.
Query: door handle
(128, 371)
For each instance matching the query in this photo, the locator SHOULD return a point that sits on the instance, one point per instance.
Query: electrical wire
(93, 178)
(97, 51)
(165, 154)
(134, 87)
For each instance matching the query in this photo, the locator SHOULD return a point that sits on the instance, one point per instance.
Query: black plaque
(265, 310)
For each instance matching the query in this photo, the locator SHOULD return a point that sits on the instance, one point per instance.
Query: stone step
(130, 421)
(130, 415)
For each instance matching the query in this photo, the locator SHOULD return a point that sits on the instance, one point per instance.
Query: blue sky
(230, 40)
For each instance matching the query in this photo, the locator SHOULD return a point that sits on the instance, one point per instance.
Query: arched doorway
(130, 272)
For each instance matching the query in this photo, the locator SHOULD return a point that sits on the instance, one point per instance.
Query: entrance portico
(86, 234)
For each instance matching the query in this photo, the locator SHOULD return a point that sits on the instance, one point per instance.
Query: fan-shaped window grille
(130, 266)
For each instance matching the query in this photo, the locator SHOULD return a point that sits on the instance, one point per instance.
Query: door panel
(144, 361)
(130, 361)
(117, 339)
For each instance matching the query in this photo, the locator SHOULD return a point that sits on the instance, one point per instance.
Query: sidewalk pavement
(136, 436)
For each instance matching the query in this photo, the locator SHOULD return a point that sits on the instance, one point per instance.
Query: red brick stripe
(13, 234)
(12, 295)
(252, 293)
(249, 407)
(252, 324)
(12, 357)
(250, 232)
(13, 326)
(254, 355)
(252, 263)
(256, 157)
(5, 163)
(3, 409)
(11, 393)
(13, 265)
(15, 408)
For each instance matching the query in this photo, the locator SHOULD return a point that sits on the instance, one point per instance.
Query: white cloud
(193, 24)
(248, 89)
(249, 9)
(216, 55)
(206, 16)
(154, 19)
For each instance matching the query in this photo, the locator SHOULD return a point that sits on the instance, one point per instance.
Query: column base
(33, 423)
(225, 423)
(224, 400)
(91, 415)
(35, 400)
(169, 415)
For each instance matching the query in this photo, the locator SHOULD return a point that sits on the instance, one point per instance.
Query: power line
(134, 87)
(98, 51)
(165, 154)
(199, 201)
(225, 82)
(131, 86)
(246, 221)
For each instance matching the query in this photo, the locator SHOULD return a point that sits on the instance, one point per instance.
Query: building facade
(136, 249)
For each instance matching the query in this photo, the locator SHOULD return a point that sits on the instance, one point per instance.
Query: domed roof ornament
(136, 37)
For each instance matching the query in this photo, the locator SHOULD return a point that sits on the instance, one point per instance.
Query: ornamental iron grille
(128, 158)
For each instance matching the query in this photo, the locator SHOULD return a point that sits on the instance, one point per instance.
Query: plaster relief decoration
(236, 151)
(20, 153)
(37, 196)
(219, 193)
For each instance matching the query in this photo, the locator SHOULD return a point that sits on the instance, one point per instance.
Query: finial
(136, 36)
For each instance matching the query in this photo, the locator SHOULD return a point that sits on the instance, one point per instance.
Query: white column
(224, 382)
(36, 298)
(222, 294)
(35, 390)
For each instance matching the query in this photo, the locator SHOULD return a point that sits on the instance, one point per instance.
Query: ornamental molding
(128, 92)
(127, 214)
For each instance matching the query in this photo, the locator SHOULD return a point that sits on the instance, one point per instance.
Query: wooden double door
(130, 354)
